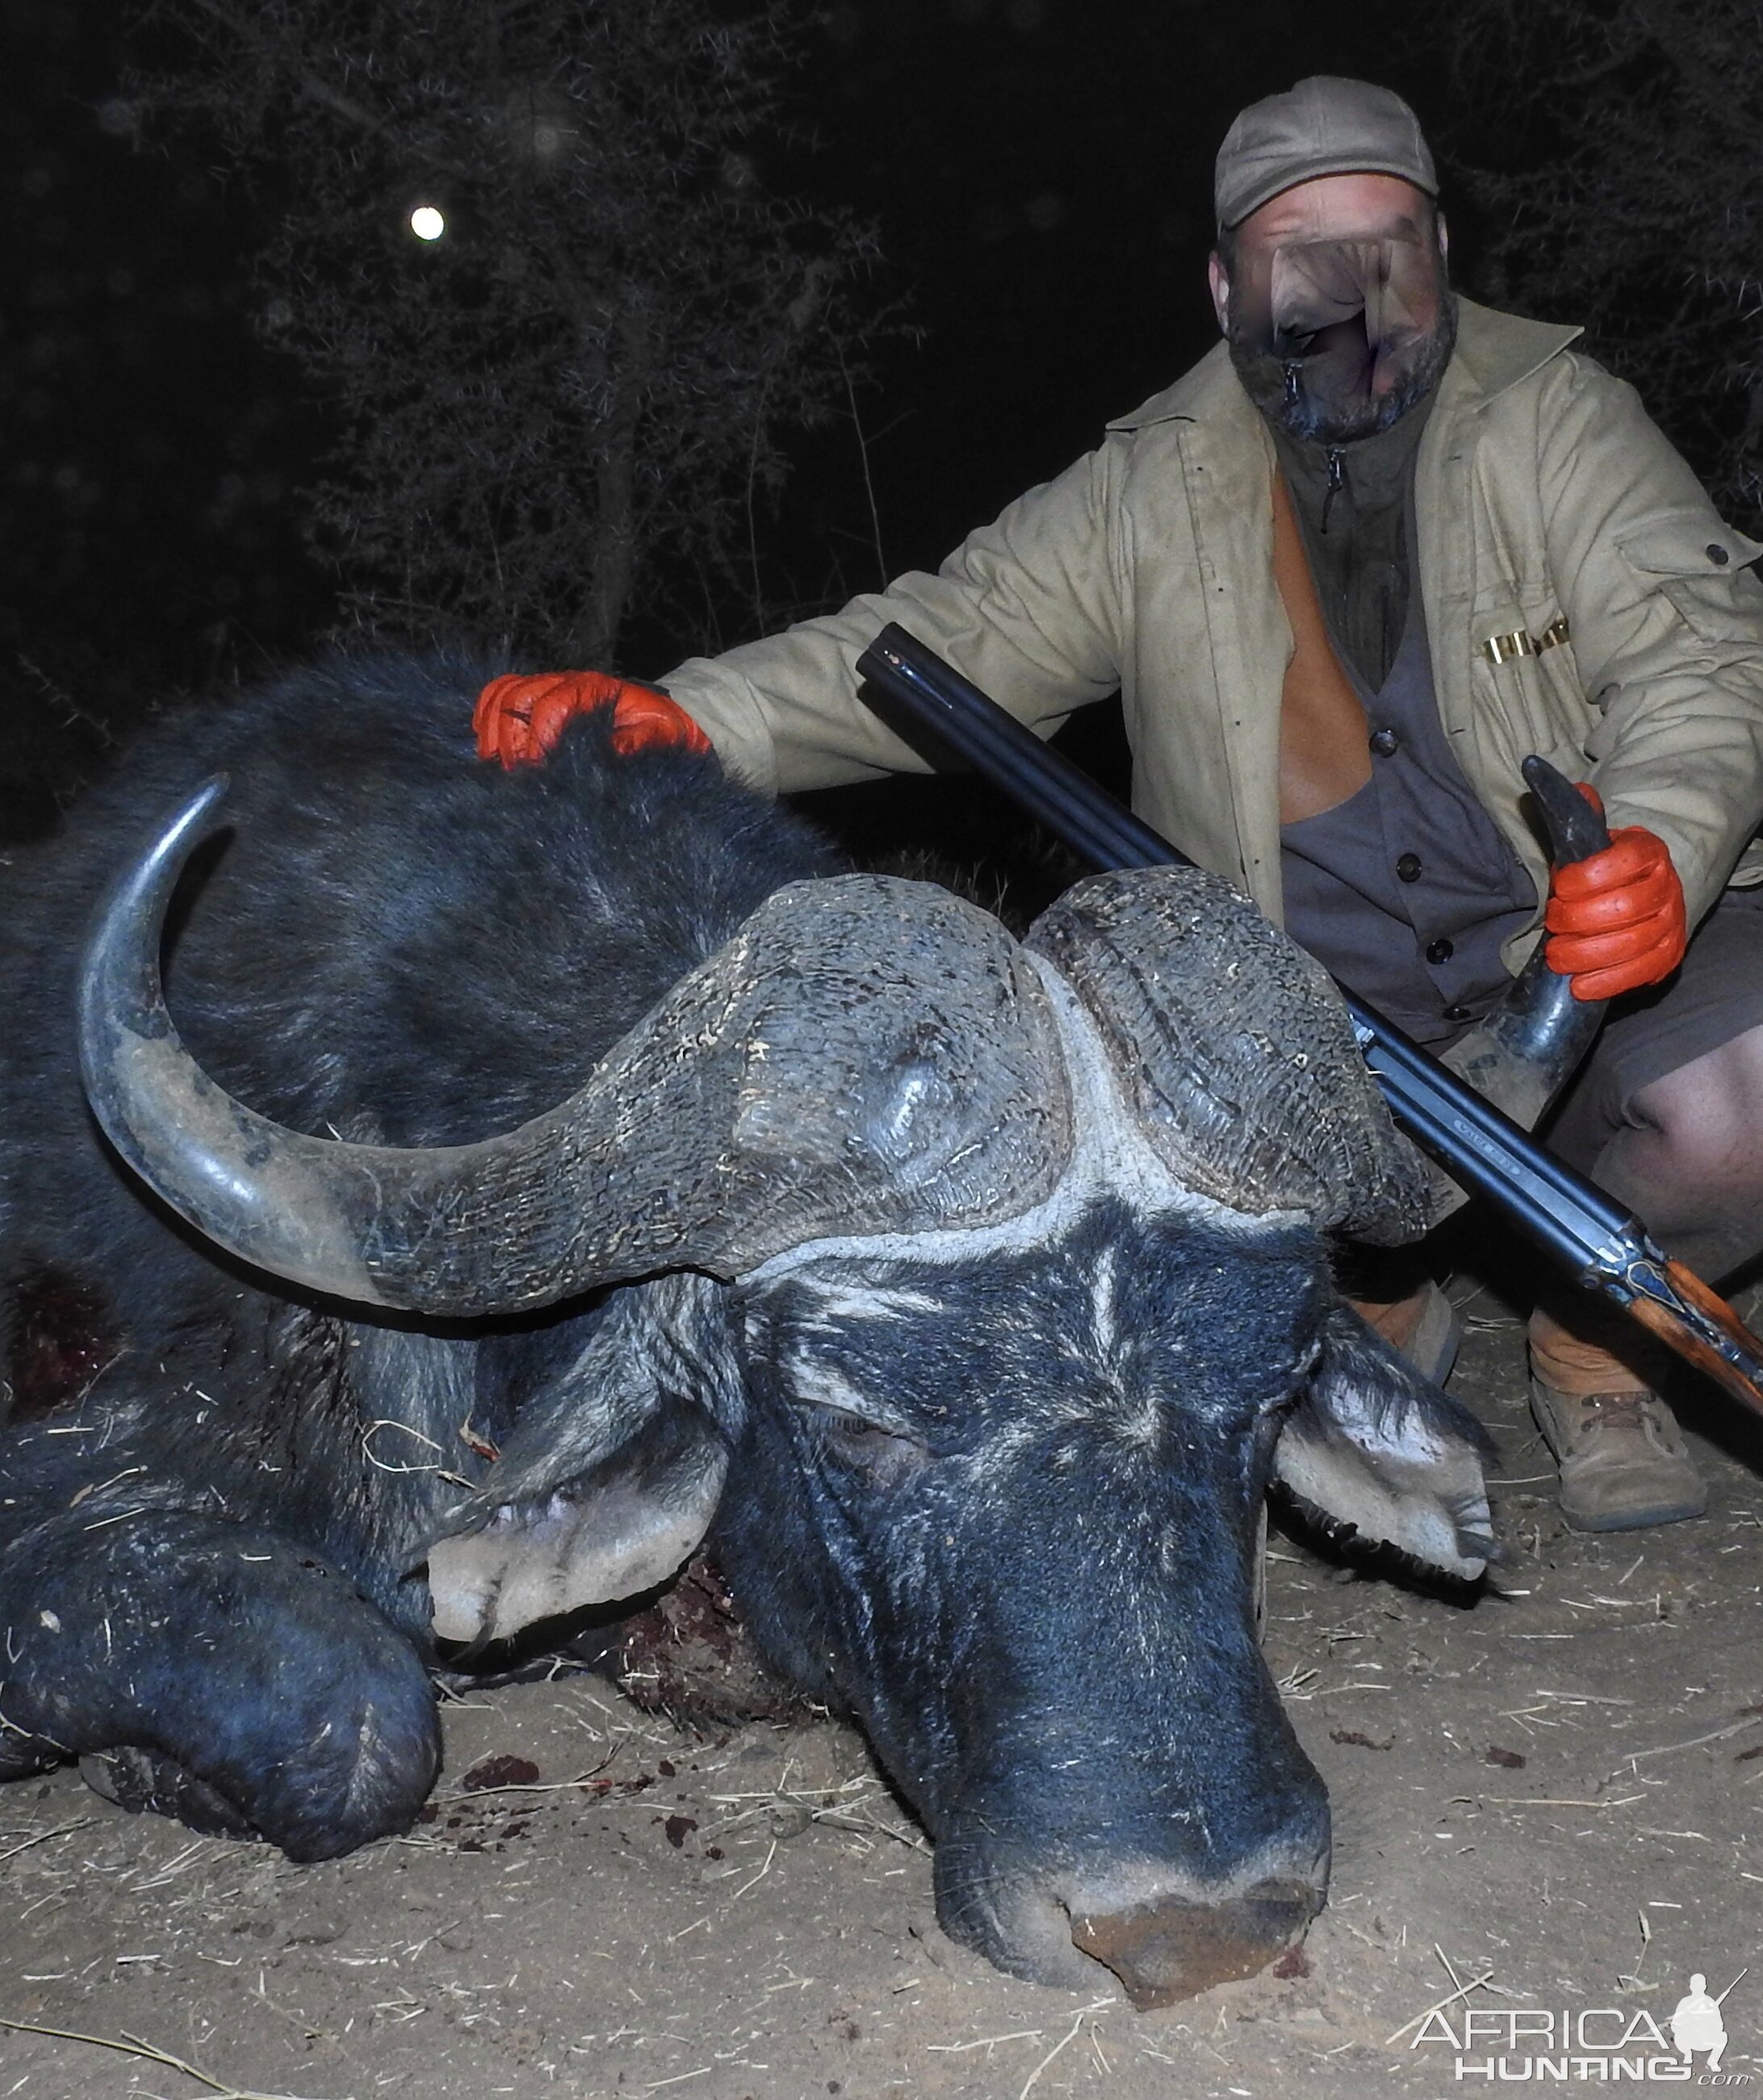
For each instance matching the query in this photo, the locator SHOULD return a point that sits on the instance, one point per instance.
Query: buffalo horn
(1522, 1054)
(865, 1055)
(1233, 1052)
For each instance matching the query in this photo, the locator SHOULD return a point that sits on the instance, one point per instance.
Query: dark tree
(585, 375)
(1631, 199)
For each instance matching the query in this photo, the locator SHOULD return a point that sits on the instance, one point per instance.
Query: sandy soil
(1554, 1799)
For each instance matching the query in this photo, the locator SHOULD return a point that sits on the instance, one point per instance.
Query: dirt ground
(1554, 1799)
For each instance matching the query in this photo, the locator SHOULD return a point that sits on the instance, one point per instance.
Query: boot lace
(1620, 1410)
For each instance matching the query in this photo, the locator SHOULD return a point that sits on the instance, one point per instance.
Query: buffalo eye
(884, 1456)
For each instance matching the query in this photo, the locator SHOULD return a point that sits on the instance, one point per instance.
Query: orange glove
(1616, 921)
(519, 719)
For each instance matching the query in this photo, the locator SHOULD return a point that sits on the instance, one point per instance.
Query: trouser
(1714, 1217)
(1715, 994)
(1598, 1126)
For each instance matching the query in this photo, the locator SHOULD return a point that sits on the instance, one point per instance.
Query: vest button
(1456, 1014)
(1385, 743)
(1717, 554)
(1439, 951)
(1408, 867)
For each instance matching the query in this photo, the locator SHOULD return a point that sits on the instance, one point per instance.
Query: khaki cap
(1325, 126)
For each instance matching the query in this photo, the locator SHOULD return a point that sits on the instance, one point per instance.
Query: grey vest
(1405, 891)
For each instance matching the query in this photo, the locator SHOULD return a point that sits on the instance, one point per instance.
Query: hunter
(1377, 546)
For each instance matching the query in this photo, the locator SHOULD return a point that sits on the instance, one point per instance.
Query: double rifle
(1606, 1249)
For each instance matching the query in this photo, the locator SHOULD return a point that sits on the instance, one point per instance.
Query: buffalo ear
(1378, 1454)
(610, 1477)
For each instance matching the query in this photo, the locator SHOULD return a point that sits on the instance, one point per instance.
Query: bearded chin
(1327, 398)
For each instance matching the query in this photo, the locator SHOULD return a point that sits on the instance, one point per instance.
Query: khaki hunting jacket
(1583, 600)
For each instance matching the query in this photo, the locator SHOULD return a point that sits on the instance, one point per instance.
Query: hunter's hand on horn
(1616, 921)
(519, 719)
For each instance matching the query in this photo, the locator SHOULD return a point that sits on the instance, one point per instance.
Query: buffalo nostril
(1171, 1949)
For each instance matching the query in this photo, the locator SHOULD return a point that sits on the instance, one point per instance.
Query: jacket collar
(1494, 352)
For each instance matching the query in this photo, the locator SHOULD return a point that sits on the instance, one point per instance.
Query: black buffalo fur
(396, 943)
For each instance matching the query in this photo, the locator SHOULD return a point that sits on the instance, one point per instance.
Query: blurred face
(1335, 304)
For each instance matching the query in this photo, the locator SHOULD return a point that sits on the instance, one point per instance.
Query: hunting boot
(1623, 1462)
(1424, 1325)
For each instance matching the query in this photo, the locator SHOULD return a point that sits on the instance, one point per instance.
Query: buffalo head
(968, 1293)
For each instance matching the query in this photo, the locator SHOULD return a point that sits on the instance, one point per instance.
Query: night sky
(1041, 173)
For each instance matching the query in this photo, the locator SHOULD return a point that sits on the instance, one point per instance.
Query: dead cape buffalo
(966, 1292)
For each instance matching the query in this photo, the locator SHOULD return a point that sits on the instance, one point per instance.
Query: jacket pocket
(1703, 571)
(1524, 662)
